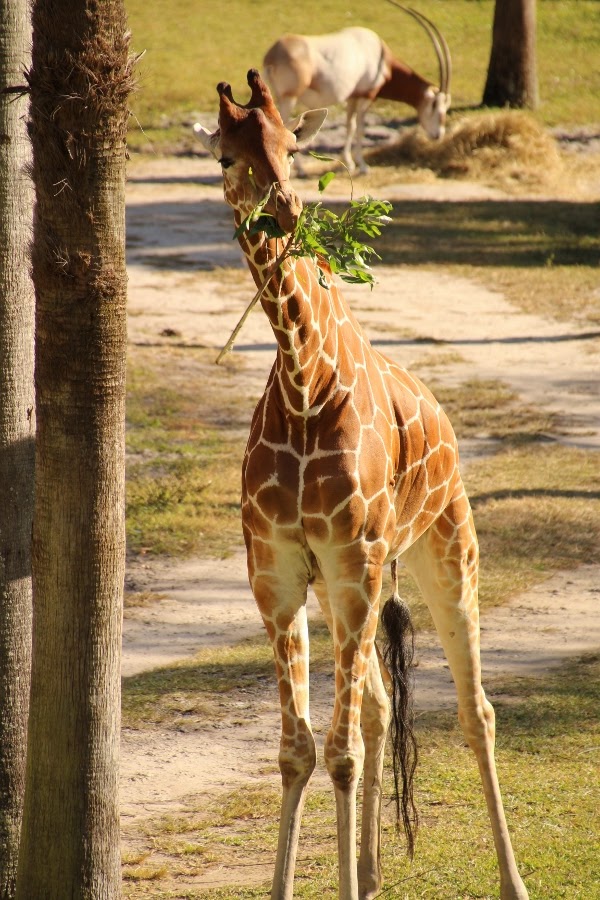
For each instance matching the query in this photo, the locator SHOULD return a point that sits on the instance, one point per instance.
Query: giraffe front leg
(297, 754)
(282, 606)
(354, 598)
(375, 716)
(351, 113)
(362, 107)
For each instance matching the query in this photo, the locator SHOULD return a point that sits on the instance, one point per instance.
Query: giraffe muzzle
(285, 206)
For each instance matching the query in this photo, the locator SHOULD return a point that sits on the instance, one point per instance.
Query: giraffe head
(256, 150)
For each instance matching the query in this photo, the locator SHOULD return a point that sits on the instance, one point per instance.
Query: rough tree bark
(16, 431)
(512, 73)
(80, 80)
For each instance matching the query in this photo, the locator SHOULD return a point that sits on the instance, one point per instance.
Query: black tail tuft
(398, 653)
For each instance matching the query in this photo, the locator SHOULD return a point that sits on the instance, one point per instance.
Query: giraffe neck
(313, 364)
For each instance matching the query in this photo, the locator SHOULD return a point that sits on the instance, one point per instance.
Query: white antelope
(356, 66)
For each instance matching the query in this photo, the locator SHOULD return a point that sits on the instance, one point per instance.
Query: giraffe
(350, 464)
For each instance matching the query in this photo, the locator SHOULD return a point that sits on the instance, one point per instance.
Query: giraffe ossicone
(351, 464)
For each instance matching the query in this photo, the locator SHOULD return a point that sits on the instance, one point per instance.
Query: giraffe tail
(398, 653)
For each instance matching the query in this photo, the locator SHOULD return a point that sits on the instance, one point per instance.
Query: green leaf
(325, 179)
(269, 225)
(243, 226)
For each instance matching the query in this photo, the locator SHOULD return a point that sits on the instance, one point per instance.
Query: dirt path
(179, 235)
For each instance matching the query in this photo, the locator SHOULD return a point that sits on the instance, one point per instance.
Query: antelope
(356, 66)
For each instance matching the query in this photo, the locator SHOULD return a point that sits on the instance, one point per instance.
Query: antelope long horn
(431, 32)
(442, 51)
(442, 45)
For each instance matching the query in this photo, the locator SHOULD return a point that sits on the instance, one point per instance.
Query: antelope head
(436, 101)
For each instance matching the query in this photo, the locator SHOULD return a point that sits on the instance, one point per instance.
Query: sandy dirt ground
(179, 234)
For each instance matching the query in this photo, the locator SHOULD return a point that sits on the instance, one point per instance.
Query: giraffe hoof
(514, 892)
(369, 887)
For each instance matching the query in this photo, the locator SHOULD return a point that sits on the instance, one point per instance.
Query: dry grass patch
(565, 293)
(145, 873)
(504, 147)
(487, 408)
(230, 278)
(439, 359)
(184, 450)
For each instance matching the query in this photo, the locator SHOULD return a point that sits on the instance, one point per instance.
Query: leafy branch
(322, 236)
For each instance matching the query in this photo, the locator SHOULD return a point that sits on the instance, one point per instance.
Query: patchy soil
(179, 236)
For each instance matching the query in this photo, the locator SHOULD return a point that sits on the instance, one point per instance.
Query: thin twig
(278, 262)
(411, 877)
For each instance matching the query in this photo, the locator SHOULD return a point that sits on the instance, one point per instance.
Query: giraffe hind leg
(375, 717)
(444, 562)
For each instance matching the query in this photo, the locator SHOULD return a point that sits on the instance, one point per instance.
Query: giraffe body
(350, 464)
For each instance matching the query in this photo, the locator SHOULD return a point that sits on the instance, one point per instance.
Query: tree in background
(80, 80)
(16, 431)
(512, 72)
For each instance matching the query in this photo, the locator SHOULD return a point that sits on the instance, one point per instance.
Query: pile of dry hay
(501, 145)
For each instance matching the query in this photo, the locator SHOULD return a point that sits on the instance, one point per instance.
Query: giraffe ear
(306, 126)
(212, 142)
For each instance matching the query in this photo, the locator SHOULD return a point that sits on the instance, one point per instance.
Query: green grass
(548, 739)
(190, 47)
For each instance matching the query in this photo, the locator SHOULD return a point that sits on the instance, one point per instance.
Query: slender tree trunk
(16, 432)
(80, 79)
(512, 72)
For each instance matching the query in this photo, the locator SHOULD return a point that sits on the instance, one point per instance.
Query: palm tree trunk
(80, 79)
(16, 432)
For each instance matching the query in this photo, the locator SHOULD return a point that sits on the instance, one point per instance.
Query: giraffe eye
(226, 162)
